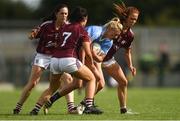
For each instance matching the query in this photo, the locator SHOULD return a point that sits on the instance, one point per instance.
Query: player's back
(70, 36)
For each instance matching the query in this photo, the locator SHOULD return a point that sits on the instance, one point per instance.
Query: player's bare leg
(85, 74)
(34, 78)
(119, 76)
(47, 94)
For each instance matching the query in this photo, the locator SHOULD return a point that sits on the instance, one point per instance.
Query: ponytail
(123, 12)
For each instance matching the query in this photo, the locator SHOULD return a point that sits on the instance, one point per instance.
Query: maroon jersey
(124, 41)
(71, 36)
(48, 37)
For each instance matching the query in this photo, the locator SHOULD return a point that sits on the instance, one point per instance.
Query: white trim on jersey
(46, 22)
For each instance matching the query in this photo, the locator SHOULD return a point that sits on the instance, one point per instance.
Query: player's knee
(92, 78)
(101, 85)
(33, 84)
(68, 80)
(124, 83)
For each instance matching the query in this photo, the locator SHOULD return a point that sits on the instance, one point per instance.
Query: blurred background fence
(156, 48)
(16, 54)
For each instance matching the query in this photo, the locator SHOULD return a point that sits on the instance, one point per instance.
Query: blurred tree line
(153, 12)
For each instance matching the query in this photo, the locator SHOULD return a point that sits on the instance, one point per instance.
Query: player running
(128, 17)
(102, 36)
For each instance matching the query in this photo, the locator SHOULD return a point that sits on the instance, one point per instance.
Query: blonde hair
(115, 19)
(114, 23)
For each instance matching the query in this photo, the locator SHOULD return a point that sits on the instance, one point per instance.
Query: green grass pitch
(151, 103)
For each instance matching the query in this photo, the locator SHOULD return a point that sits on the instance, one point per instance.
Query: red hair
(123, 12)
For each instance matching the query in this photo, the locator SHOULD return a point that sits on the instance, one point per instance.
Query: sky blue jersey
(96, 32)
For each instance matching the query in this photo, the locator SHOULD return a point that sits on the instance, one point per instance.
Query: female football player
(128, 17)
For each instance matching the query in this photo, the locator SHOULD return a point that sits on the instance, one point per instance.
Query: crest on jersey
(123, 42)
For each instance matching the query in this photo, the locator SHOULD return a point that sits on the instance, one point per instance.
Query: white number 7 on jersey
(67, 35)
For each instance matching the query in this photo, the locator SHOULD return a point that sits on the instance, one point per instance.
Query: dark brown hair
(52, 16)
(78, 14)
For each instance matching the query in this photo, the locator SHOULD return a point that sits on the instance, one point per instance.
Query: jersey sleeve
(84, 36)
(94, 32)
(42, 27)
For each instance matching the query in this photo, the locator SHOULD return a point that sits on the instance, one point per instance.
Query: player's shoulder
(94, 28)
(94, 31)
(131, 32)
(46, 23)
(75, 25)
(76, 28)
(72, 27)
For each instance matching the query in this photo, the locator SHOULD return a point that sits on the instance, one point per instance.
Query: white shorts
(68, 65)
(42, 60)
(109, 62)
